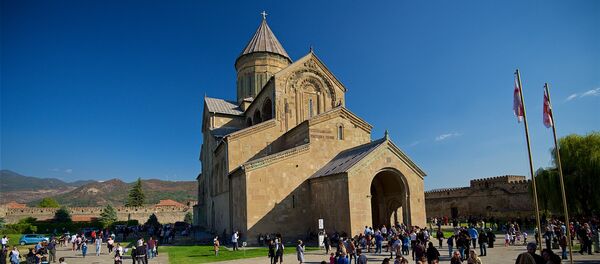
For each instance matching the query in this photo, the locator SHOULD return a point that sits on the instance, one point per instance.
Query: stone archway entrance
(389, 199)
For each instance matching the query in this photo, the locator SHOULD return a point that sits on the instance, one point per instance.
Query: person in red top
(93, 235)
(151, 243)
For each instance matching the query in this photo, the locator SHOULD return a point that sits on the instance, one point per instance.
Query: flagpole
(535, 199)
(562, 183)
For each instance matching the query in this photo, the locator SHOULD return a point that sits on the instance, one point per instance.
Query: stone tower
(262, 57)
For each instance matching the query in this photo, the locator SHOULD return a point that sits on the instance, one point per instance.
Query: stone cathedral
(288, 152)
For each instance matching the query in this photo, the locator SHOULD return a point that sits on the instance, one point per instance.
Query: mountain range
(30, 190)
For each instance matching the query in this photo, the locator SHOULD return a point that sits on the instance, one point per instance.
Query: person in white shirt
(234, 240)
(4, 242)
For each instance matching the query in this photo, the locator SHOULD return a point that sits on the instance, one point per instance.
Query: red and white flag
(548, 119)
(517, 103)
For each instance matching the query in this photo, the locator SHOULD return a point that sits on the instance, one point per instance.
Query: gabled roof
(264, 41)
(216, 105)
(347, 158)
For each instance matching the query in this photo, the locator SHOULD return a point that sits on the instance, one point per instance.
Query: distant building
(288, 152)
(15, 205)
(504, 196)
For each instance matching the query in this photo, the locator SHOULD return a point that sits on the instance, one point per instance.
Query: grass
(204, 254)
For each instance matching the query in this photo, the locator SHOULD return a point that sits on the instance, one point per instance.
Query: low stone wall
(165, 214)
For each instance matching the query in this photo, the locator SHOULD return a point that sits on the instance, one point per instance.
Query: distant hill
(91, 193)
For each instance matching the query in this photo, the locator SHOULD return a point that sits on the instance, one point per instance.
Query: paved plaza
(496, 255)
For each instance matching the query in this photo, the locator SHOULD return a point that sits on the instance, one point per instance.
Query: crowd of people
(141, 250)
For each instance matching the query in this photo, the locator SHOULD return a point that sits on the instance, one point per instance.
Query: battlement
(164, 213)
(500, 179)
(443, 190)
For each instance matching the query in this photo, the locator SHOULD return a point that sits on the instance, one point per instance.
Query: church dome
(264, 41)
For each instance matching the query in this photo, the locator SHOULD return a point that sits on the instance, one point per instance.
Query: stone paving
(496, 255)
(75, 257)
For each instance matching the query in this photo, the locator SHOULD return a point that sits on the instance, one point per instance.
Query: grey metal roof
(217, 105)
(223, 131)
(347, 158)
(264, 41)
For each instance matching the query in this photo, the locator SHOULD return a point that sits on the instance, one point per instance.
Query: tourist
(52, 249)
(474, 235)
(110, 244)
(351, 250)
(419, 251)
(450, 243)
(84, 248)
(332, 258)
(491, 238)
(279, 248)
(386, 261)
(234, 240)
(61, 260)
(456, 258)
(4, 242)
(14, 256)
(440, 237)
(378, 242)
(3, 255)
(530, 256)
(585, 237)
(483, 243)
(563, 242)
(98, 245)
(118, 254)
(422, 260)
(473, 258)
(361, 259)
(300, 251)
(432, 253)
(327, 244)
(272, 251)
(150, 248)
(216, 245)
(506, 239)
(550, 257)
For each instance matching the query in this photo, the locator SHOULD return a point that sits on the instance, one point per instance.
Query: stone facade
(504, 197)
(288, 153)
(165, 214)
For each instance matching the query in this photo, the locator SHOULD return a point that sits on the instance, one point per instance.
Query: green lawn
(203, 254)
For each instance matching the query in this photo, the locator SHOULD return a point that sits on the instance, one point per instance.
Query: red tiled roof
(15, 205)
(169, 202)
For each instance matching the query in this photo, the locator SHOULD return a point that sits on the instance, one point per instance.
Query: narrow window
(340, 133)
(310, 108)
(293, 201)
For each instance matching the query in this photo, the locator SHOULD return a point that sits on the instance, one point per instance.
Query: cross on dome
(264, 14)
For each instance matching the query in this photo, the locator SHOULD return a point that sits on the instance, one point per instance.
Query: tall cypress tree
(136, 195)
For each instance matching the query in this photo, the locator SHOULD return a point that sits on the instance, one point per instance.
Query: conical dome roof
(264, 41)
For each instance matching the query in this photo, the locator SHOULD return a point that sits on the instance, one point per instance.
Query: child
(61, 260)
(332, 259)
(524, 238)
(506, 239)
(216, 245)
(84, 248)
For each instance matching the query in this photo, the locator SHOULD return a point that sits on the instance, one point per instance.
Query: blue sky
(113, 89)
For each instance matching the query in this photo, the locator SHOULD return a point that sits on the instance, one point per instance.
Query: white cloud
(593, 92)
(69, 171)
(446, 136)
(414, 143)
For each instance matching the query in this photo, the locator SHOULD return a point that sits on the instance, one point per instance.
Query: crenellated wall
(502, 196)
(165, 214)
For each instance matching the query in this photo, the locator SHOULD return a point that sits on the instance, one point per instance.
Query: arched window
(257, 117)
(310, 108)
(340, 132)
(267, 109)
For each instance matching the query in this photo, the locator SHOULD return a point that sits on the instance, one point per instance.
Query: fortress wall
(165, 214)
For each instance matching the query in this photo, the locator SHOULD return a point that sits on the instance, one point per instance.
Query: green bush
(20, 228)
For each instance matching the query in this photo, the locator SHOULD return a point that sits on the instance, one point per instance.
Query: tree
(48, 203)
(136, 195)
(108, 216)
(580, 156)
(189, 217)
(62, 215)
(153, 221)
(2, 222)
